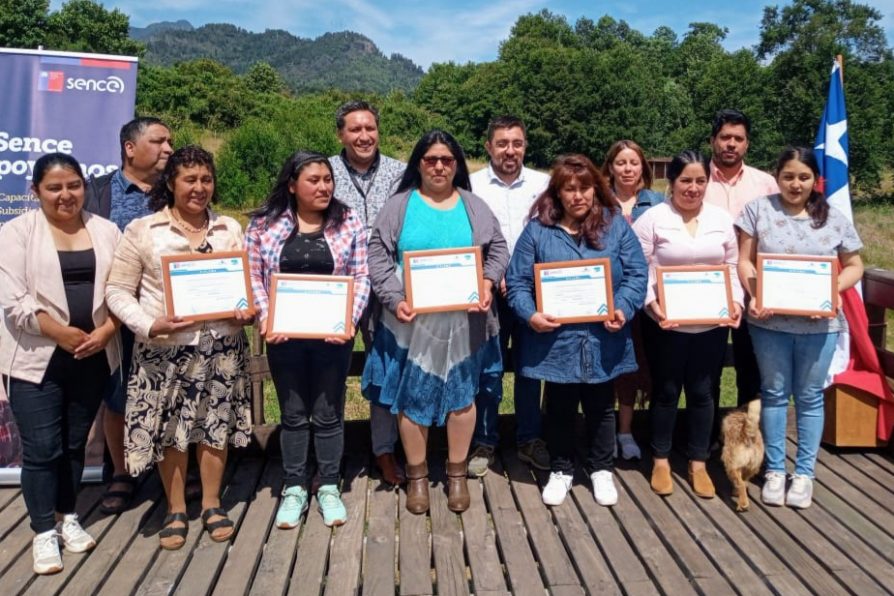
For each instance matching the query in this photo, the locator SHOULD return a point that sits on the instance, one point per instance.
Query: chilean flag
(856, 362)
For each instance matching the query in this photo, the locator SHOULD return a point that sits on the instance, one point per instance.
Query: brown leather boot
(417, 488)
(662, 483)
(701, 482)
(457, 489)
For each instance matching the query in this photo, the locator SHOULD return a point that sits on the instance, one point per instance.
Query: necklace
(188, 227)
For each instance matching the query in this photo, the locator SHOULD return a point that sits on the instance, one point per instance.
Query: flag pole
(840, 59)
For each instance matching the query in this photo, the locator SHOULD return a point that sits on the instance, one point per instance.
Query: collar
(125, 183)
(717, 175)
(492, 176)
(369, 172)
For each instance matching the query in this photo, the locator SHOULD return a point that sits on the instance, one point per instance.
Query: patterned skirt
(177, 395)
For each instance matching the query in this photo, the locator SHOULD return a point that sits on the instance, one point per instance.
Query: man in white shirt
(509, 189)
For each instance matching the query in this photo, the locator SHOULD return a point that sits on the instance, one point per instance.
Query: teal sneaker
(292, 505)
(333, 510)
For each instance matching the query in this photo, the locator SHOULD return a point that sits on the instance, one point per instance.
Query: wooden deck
(508, 541)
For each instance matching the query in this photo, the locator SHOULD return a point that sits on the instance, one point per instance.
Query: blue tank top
(427, 228)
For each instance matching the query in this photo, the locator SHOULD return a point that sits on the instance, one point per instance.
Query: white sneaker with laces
(555, 490)
(773, 491)
(629, 448)
(604, 490)
(74, 538)
(800, 493)
(45, 552)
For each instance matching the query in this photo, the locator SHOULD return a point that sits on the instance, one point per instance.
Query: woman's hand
(486, 298)
(617, 323)
(340, 341)
(735, 316)
(97, 340)
(543, 323)
(659, 315)
(270, 338)
(168, 325)
(761, 314)
(404, 313)
(243, 316)
(70, 338)
(504, 291)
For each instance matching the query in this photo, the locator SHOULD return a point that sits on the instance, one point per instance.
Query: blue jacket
(583, 352)
(645, 199)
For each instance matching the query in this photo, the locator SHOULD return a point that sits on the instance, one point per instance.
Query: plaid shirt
(347, 242)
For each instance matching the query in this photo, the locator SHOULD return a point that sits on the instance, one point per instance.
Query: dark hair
(505, 121)
(280, 199)
(613, 151)
(412, 178)
(54, 160)
(133, 130)
(683, 159)
(817, 206)
(354, 106)
(730, 116)
(161, 195)
(547, 209)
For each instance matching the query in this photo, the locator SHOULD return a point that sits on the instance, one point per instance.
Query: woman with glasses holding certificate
(794, 352)
(685, 231)
(428, 367)
(189, 382)
(576, 219)
(302, 229)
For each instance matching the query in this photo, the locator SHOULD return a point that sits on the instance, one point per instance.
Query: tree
(23, 23)
(263, 78)
(86, 26)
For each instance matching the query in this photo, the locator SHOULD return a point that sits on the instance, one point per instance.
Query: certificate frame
(660, 273)
(833, 284)
(349, 304)
(539, 268)
(168, 260)
(408, 277)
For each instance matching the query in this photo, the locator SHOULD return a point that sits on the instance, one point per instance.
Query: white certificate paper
(443, 280)
(311, 305)
(695, 296)
(574, 292)
(206, 288)
(798, 285)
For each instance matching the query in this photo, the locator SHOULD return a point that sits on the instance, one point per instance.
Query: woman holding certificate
(302, 229)
(57, 347)
(685, 231)
(576, 219)
(428, 367)
(189, 381)
(794, 352)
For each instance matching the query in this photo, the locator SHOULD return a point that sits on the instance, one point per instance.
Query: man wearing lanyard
(731, 185)
(509, 189)
(364, 180)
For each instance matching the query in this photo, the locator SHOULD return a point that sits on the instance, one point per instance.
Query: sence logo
(52, 80)
(55, 81)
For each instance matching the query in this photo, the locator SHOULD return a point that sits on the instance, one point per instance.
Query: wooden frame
(168, 260)
(539, 268)
(833, 284)
(408, 285)
(349, 303)
(719, 320)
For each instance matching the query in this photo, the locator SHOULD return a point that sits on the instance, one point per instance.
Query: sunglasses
(432, 160)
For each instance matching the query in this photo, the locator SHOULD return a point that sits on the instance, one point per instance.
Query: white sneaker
(555, 490)
(629, 448)
(800, 493)
(45, 552)
(74, 538)
(604, 490)
(773, 491)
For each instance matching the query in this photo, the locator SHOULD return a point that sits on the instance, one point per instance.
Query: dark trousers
(54, 419)
(690, 362)
(309, 376)
(748, 375)
(598, 404)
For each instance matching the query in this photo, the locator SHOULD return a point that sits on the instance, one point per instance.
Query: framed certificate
(575, 291)
(803, 285)
(204, 287)
(311, 306)
(443, 280)
(695, 295)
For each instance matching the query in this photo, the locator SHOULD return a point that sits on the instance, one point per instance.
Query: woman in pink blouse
(685, 231)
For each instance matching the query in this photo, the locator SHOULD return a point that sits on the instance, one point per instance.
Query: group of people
(87, 263)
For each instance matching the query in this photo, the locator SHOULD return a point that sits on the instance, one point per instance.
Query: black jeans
(690, 362)
(309, 376)
(598, 404)
(54, 419)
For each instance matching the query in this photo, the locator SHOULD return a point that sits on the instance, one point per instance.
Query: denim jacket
(646, 199)
(583, 352)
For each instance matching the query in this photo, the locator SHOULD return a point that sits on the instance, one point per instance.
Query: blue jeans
(792, 364)
(526, 392)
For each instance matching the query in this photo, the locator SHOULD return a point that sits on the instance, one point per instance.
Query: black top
(306, 253)
(78, 275)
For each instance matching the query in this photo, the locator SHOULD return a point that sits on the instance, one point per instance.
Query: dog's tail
(754, 413)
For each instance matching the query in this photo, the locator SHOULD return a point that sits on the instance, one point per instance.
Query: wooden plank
(7, 496)
(248, 546)
(379, 560)
(14, 513)
(345, 556)
(414, 555)
(870, 469)
(521, 567)
(481, 545)
(14, 544)
(447, 540)
(313, 552)
(878, 492)
(882, 461)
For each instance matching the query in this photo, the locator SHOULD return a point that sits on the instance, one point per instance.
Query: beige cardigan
(31, 282)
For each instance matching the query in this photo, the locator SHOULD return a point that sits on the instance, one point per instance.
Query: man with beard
(509, 189)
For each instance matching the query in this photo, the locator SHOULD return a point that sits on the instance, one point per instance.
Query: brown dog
(743, 449)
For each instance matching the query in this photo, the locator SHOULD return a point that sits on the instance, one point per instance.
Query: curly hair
(161, 195)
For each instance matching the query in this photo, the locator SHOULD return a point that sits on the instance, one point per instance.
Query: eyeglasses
(432, 160)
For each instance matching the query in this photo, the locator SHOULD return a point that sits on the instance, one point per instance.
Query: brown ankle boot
(457, 489)
(662, 483)
(701, 482)
(417, 488)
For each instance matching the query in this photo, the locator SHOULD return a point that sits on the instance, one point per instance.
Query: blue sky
(458, 30)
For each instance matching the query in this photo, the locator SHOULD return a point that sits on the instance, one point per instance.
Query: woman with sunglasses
(427, 368)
